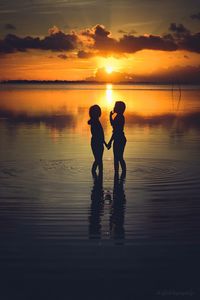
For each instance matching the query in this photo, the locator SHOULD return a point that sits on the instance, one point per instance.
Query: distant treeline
(87, 82)
(45, 82)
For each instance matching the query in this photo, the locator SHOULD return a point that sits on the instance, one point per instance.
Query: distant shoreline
(93, 82)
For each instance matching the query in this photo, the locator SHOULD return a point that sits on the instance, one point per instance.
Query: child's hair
(94, 112)
(120, 107)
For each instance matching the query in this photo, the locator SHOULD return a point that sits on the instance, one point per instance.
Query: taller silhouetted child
(118, 138)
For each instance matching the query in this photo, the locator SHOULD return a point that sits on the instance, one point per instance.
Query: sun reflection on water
(109, 94)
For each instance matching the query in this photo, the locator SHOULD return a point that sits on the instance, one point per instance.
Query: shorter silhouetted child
(118, 138)
(97, 140)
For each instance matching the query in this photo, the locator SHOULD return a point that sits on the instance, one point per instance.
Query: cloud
(102, 39)
(10, 27)
(55, 41)
(102, 76)
(184, 39)
(128, 43)
(180, 30)
(188, 74)
(195, 16)
(180, 38)
(132, 44)
(62, 56)
(190, 43)
(54, 30)
(83, 54)
(99, 41)
(114, 76)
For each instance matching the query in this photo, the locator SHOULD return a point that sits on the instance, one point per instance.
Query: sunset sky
(141, 40)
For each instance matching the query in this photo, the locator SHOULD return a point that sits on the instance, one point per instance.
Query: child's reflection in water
(116, 204)
(117, 210)
(96, 208)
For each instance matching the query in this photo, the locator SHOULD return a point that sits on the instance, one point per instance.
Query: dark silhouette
(118, 138)
(97, 208)
(118, 209)
(117, 203)
(97, 140)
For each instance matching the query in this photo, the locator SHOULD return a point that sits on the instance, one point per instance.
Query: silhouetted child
(97, 140)
(118, 138)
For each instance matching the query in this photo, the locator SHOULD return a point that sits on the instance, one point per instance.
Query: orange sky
(39, 66)
(137, 40)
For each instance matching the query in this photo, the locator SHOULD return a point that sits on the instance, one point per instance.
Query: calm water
(64, 236)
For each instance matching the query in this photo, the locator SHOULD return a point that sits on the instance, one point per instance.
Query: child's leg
(122, 161)
(95, 163)
(94, 167)
(100, 159)
(121, 158)
(123, 165)
(116, 157)
(98, 155)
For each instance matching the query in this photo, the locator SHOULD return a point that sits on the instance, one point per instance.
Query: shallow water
(60, 227)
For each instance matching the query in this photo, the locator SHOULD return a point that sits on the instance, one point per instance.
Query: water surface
(59, 226)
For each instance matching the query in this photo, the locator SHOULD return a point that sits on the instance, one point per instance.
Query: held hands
(108, 146)
(111, 113)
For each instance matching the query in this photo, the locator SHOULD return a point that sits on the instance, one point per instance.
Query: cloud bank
(99, 41)
(57, 40)
(175, 74)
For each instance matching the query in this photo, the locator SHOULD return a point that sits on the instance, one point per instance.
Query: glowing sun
(109, 69)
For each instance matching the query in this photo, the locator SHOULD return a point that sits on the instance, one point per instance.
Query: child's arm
(112, 137)
(110, 142)
(111, 119)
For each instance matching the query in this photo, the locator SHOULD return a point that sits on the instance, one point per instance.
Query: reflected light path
(109, 95)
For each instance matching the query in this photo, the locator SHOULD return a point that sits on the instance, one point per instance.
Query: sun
(109, 69)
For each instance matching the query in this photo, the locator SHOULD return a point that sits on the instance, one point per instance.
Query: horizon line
(26, 81)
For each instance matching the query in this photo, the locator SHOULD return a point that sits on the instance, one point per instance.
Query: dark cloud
(188, 74)
(84, 54)
(55, 41)
(179, 29)
(62, 56)
(130, 43)
(195, 16)
(190, 43)
(10, 27)
(184, 39)
(100, 31)
(180, 38)
(102, 39)
(99, 41)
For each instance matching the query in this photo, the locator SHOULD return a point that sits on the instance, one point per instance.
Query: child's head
(95, 111)
(120, 107)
